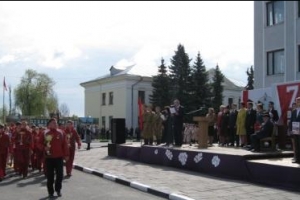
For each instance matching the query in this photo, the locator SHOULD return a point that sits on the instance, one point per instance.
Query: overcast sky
(74, 42)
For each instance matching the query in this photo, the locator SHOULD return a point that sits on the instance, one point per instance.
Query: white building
(276, 42)
(116, 95)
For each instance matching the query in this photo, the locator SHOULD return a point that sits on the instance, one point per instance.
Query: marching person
(56, 150)
(4, 145)
(24, 144)
(14, 146)
(72, 138)
(37, 159)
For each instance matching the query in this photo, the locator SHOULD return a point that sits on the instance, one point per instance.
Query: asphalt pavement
(80, 186)
(168, 182)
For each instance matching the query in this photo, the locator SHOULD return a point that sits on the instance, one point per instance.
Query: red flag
(4, 84)
(140, 104)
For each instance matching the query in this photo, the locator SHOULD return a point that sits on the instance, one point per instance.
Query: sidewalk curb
(133, 184)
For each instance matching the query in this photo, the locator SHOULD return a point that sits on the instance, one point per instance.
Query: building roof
(229, 84)
(133, 70)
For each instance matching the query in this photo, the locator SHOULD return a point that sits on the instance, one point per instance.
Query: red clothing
(72, 138)
(23, 139)
(4, 144)
(37, 154)
(57, 141)
(24, 144)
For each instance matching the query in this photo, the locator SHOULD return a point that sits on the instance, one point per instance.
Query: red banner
(141, 112)
(287, 94)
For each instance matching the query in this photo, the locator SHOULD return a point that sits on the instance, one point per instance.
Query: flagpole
(3, 106)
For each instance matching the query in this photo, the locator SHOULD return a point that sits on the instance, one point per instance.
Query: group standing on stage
(40, 148)
(163, 126)
(230, 126)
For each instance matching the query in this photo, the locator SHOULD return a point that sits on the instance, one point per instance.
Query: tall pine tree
(250, 84)
(218, 88)
(180, 74)
(160, 83)
(200, 85)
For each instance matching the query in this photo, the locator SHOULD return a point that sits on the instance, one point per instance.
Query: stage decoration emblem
(198, 157)
(215, 161)
(169, 154)
(156, 151)
(182, 157)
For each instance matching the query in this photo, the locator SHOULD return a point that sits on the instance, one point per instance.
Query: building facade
(276, 42)
(116, 95)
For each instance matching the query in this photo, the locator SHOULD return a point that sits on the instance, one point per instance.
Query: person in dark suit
(295, 136)
(232, 126)
(250, 121)
(265, 131)
(178, 122)
(273, 113)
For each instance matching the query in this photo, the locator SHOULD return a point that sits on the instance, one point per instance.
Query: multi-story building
(276, 42)
(116, 95)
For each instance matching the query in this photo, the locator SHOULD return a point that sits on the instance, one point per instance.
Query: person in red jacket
(37, 155)
(72, 138)
(4, 145)
(14, 147)
(56, 150)
(23, 148)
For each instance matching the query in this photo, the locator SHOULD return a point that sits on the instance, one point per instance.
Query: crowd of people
(47, 149)
(27, 148)
(231, 126)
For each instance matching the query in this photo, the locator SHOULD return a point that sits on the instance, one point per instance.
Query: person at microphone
(177, 112)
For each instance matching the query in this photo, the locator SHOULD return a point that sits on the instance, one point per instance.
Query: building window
(230, 101)
(141, 95)
(275, 12)
(298, 8)
(275, 62)
(111, 98)
(103, 98)
(299, 58)
(103, 122)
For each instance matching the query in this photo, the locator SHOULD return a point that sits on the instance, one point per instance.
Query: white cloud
(54, 34)
(7, 59)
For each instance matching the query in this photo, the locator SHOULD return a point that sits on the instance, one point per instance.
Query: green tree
(217, 88)
(250, 84)
(3, 114)
(160, 95)
(34, 96)
(200, 86)
(180, 75)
